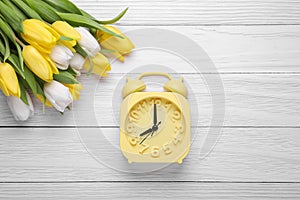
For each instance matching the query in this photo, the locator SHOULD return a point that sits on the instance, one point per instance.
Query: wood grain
(254, 45)
(195, 12)
(250, 100)
(146, 190)
(57, 154)
(232, 49)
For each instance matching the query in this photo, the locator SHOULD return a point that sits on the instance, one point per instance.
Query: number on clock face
(155, 126)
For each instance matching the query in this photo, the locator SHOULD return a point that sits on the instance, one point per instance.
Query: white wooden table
(255, 46)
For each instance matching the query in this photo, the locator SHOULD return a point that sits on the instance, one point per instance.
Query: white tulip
(19, 109)
(88, 42)
(61, 55)
(77, 61)
(58, 95)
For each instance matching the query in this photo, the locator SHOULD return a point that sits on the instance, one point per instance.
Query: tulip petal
(39, 32)
(38, 64)
(52, 65)
(101, 65)
(61, 67)
(40, 48)
(77, 61)
(46, 26)
(61, 55)
(74, 90)
(59, 95)
(121, 46)
(88, 42)
(9, 81)
(19, 109)
(63, 28)
(3, 88)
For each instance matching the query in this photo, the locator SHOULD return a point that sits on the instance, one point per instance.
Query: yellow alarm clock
(155, 126)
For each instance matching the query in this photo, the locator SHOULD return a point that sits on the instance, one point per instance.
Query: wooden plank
(57, 154)
(149, 190)
(195, 12)
(228, 49)
(250, 100)
(214, 49)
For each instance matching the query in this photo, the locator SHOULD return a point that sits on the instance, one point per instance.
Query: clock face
(154, 127)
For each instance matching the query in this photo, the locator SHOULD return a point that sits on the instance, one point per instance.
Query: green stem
(19, 42)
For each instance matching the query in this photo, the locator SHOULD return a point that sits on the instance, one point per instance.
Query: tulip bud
(121, 46)
(88, 42)
(19, 109)
(77, 61)
(58, 95)
(61, 55)
(101, 65)
(64, 29)
(39, 64)
(39, 34)
(9, 83)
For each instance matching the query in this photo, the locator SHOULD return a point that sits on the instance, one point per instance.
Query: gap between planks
(149, 181)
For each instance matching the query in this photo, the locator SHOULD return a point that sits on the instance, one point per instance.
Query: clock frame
(167, 140)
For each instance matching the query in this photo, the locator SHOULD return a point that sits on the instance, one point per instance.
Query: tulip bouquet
(44, 45)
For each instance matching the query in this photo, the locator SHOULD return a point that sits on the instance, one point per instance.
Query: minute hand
(155, 115)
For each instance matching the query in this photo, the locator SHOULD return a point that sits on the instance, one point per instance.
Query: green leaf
(65, 38)
(87, 14)
(23, 92)
(11, 18)
(20, 56)
(17, 11)
(64, 5)
(6, 52)
(44, 10)
(80, 50)
(65, 77)
(7, 30)
(40, 85)
(26, 9)
(30, 80)
(2, 48)
(11, 35)
(117, 18)
(14, 60)
(79, 20)
(71, 71)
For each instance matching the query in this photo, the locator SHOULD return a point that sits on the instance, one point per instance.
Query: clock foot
(179, 161)
(129, 161)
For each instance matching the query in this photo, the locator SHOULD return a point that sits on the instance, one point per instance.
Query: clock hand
(146, 137)
(150, 131)
(155, 115)
(145, 132)
(155, 127)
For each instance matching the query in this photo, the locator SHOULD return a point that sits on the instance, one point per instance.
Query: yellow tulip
(9, 83)
(40, 35)
(64, 29)
(40, 64)
(74, 90)
(121, 46)
(101, 65)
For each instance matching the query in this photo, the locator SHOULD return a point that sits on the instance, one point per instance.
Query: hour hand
(145, 132)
